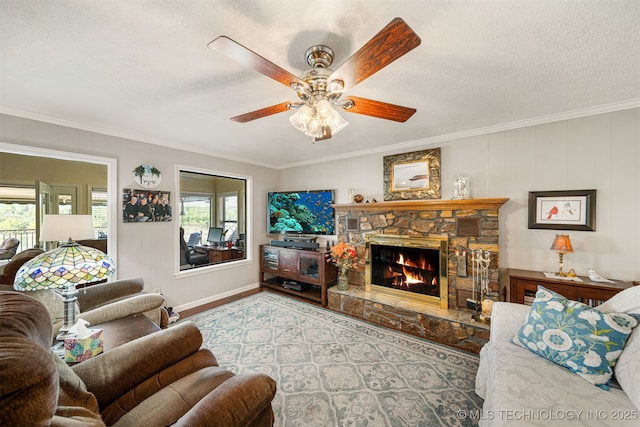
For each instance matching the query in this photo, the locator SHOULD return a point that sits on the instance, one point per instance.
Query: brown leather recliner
(9, 270)
(160, 379)
(9, 247)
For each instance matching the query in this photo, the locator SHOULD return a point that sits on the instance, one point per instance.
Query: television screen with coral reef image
(305, 212)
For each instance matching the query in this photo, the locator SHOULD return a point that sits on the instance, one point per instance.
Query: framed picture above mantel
(563, 210)
(411, 176)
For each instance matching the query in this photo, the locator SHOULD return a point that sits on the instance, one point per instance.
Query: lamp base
(70, 295)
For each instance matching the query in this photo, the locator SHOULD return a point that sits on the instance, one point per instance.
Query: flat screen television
(301, 212)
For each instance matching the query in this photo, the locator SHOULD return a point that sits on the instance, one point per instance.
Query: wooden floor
(193, 311)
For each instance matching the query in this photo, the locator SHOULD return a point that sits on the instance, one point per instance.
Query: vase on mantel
(343, 280)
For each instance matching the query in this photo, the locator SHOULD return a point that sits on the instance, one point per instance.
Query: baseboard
(215, 298)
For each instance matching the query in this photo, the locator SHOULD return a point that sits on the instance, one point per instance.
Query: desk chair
(194, 239)
(189, 256)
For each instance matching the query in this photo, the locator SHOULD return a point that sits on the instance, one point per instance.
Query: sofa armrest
(95, 296)
(506, 318)
(110, 375)
(241, 400)
(137, 304)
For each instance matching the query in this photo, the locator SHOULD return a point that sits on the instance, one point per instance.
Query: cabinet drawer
(215, 256)
(288, 262)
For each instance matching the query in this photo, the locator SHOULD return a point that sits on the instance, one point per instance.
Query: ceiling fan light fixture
(313, 120)
(322, 85)
(301, 118)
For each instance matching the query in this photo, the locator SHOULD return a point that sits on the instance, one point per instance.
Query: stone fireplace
(451, 226)
(411, 267)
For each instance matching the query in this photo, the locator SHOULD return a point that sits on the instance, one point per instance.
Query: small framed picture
(413, 175)
(563, 210)
(142, 205)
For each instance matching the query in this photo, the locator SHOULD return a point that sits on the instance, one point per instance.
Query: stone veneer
(455, 326)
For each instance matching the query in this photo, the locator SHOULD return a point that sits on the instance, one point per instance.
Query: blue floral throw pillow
(575, 335)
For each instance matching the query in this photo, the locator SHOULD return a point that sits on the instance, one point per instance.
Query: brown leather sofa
(161, 379)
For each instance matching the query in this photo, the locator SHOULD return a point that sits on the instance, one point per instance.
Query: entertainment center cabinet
(301, 272)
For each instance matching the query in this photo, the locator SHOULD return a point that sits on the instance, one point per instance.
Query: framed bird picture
(563, 210)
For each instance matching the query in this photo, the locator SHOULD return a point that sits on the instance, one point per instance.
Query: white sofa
(520, 388)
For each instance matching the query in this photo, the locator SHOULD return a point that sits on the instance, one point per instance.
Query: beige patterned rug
(333, 370)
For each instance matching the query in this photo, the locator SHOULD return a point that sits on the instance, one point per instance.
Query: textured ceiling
(142, 69)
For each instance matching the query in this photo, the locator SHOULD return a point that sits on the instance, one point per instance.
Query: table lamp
(66, 266)
(562, 245)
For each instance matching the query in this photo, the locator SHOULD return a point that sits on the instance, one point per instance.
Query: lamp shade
(66, 266)
(562, 244)
(58, 228)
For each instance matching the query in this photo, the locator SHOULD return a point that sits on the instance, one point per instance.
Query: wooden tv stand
(286, 269)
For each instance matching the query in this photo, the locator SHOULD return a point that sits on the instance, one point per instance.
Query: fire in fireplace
(408, 269)
(411, 267)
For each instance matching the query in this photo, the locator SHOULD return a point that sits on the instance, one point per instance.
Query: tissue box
(80, 349)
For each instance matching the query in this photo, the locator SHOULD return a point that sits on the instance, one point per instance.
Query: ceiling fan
(320, 87)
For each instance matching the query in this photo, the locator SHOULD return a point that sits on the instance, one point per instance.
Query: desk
(220, 254)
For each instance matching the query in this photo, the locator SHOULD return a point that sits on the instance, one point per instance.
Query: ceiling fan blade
(241, 54)
(393, 41)
(382, 110)
(263, 112)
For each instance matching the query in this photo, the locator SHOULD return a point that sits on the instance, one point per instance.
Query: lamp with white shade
(68, 265)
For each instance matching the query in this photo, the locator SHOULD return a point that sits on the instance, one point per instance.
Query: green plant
(142, 169)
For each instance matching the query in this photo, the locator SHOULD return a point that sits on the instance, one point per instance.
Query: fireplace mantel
(425, 205)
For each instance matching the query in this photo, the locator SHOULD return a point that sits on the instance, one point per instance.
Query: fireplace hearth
(409, 267)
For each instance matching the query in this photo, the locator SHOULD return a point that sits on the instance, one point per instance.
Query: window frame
(112, 184)
(248, 217)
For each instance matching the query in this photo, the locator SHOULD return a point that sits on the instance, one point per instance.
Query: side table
(119, 331)
(125, 329)
(524, 285)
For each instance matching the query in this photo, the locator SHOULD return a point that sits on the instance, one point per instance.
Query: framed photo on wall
(413, 175)
(563, 210)
(146, 206)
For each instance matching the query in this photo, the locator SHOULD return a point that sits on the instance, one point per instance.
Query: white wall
(599, 152)
(150, 250)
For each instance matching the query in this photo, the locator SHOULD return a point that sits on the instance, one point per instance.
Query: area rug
(333, 370)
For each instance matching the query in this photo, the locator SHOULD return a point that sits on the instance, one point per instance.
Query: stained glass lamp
(66, 266)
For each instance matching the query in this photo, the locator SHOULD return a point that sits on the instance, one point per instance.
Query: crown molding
(424, 142)
(439, 139)
(117, 134)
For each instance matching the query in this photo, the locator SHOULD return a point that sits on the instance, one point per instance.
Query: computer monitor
(215, 235)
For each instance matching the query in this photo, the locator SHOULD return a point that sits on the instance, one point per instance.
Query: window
(212, 200)
(195, 215)
(229, 214)
(18, 215)
(100, 212)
